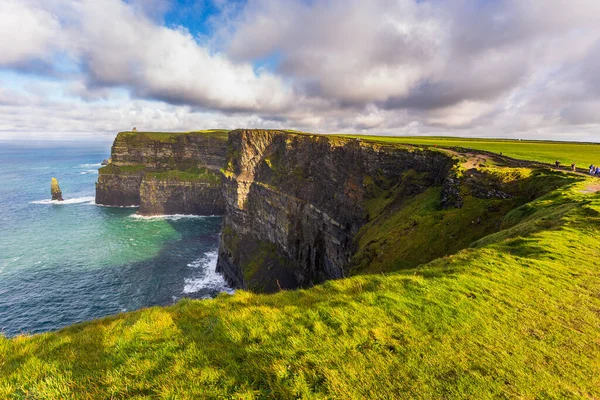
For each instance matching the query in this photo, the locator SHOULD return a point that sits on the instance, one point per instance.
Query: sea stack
(55, 190)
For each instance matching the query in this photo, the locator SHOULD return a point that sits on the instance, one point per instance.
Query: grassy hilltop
(583, 154)
(515, 314)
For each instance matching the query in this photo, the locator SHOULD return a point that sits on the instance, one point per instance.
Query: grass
(169, 137)
(399, 229)
(124, 170)
(583, 154)
(178, 174)
(189, 175)
(516, 315)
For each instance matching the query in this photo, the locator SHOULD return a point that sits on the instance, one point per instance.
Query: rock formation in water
(55, 190)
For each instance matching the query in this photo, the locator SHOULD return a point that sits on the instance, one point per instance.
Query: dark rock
(119, 190)
(451, 196)
(55, 190)
(128, 180)
(164, 196)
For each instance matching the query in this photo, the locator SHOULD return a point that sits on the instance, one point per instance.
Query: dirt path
(592, 188)
(473, 159)
(479, 158)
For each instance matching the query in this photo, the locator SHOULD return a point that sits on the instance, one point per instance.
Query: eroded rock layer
(165, 173)
(294, 202)
(164, 196)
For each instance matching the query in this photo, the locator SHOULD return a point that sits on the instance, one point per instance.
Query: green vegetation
(515, 315)
(123, 170)
(264, 254)
(400, 229)
(168, 137)
(189, 175)
(583, 154)
(178, 172)
(497, 299)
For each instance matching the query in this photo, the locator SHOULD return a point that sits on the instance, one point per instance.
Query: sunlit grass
(517, 315)
(583, 154)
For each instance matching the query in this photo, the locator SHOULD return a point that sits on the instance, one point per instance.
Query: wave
(107, 206)
(172, 217)
(89, 171)
(211, 279)
(89, 165)
(79, 200)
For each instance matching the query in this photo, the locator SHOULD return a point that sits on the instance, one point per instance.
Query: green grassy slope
(404, 233)
(583, 154)
(517, 315)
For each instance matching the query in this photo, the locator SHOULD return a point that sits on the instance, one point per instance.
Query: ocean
(63, 263)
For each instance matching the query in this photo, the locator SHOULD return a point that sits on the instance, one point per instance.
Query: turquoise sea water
(70, 262)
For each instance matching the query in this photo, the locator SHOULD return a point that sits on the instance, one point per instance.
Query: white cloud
(505, 67)
(26, 32)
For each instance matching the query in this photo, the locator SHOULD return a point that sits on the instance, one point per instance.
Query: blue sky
(83, 69)
(192, 14)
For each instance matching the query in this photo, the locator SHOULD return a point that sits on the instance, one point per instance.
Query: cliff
(165, 173)
(495, 293)
(295, 202)
(514, 316)
(300, 209)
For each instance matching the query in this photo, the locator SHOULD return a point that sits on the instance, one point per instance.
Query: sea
(66, 262)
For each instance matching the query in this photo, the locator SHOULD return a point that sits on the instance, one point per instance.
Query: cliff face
(165, 173)
(118, 189)
(165, 196)
(294, 202)
(164, 151)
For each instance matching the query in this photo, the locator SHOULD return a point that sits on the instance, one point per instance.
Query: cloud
(27, 33)
(122, 47)
(503, 67)
(429, 57)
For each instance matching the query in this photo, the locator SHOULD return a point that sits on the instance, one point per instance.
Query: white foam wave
(89, 171)
(210, 279)
(89, 165)
(80, 200)
(172, 217)
(107, 206)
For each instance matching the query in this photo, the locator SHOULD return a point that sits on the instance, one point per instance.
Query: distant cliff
(165, 173)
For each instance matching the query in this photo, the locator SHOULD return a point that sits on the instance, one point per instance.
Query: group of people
(594, 170)
(573, 166)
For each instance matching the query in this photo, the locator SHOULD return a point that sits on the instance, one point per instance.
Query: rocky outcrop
(171, 196)
(167, 151)
(294, 202)
(55, 190)
(451, 196)
(118, 189)
(165, 173)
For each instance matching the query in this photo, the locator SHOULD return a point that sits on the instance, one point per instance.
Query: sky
(86, 69)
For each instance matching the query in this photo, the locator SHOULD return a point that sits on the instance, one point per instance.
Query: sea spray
(208, 277)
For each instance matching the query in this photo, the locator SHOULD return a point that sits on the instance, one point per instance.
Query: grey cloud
(382, 66)
(406, 55)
